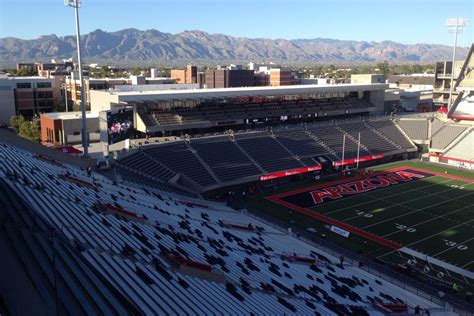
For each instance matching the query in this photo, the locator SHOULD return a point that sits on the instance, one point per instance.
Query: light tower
(455, 25)
(85, 140)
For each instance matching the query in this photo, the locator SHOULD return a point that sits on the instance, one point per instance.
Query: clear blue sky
(406, 21)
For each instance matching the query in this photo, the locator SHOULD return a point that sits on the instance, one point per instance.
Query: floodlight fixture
(456, 26)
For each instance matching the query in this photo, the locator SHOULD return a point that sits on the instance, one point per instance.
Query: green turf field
(433, 216)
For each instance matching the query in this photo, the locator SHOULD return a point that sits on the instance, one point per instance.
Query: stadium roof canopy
(101, 100)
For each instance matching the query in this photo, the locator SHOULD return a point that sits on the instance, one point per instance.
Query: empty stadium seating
(128, 248)
(464, 149)
(210, 112)
(415, 129)
(224, 158)
(268, 153)
(300, 143)
(217, 160)
(392, 132)
(445, 135)
(179, 158)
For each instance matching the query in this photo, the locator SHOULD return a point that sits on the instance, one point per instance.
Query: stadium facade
(162, 111)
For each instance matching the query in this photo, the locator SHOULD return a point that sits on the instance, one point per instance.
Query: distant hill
(135, 47)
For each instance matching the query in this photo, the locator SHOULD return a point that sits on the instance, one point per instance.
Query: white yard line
(453, 247)
(467, 264)
(406, 201)
(432, 219)
(406, 249)
(382, 198)
(417, 210)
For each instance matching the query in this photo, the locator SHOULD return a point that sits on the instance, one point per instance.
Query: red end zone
(348, 186)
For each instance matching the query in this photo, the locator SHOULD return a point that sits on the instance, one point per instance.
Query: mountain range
(132, 47)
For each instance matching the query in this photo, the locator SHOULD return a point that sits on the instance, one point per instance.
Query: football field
(409, 210)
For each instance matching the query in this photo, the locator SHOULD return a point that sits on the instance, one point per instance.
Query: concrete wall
(377, 98)
(73, 126)
(101, 101)
(367, 78)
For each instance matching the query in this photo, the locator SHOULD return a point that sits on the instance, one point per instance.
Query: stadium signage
(361, 159)
(339, 231)
(363, 185)
(289, 173)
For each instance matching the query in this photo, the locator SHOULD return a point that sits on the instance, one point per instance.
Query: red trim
(452, 158)
(368, 235)
(187, 203)
(68, 150)
(237, 226)
(77, 181)
(354, 160)
(331, 221)
(446, 175)
(189, 263)
(462, 118)
(290, 172)
(48, 159)
(118, 210)
(298, 258)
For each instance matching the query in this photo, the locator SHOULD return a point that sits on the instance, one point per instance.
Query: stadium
(260, 201)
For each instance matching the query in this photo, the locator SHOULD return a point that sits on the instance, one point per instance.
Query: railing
(380, 270)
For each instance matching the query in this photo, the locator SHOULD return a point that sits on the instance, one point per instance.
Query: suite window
(41, 85)
(23, 85)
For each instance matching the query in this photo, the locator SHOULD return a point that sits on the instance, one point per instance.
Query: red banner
(289, 173)
(354, 160)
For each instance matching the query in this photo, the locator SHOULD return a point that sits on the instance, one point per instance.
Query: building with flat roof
(411, 82)
(27, 96)
(186, 76)
(367, 78)
(179, 75)
(281, 77)
(73, 85)
(228, 78)
(64, 128)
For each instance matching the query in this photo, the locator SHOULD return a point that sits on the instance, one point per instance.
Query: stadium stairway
(191, 149)
(287, 150)
(324, 145)
(354, 140)
(249, 157)
(374, 129)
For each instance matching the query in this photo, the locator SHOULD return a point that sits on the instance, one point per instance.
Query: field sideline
(408, 205)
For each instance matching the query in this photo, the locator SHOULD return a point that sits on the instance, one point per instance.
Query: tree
(26, 129)
(16, 121)
(59, 107)
(76, 106)
(384, 68)
(25, 72)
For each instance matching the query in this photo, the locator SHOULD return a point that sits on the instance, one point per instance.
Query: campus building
(27, 96)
